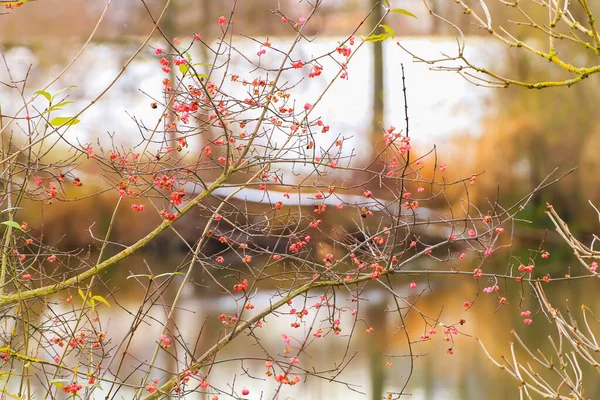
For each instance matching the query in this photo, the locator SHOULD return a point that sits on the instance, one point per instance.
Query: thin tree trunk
(378, 82)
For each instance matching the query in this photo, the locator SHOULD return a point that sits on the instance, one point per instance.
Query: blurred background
(516, 137)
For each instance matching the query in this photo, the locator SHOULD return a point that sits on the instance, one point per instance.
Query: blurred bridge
(257, 200)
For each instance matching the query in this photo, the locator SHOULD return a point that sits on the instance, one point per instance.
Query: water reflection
(466, 374)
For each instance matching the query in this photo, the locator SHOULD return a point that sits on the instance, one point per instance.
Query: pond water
(465, 374)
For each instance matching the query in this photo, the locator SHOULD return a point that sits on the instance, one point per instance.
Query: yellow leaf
(101, 300)
(403, 11)
(377, 37)
(388, 30)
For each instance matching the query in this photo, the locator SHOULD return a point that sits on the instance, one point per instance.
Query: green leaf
(59, 106)
(200, 76)
(188, 56)
(60, 383)
(81, 294)
(9, 209)
(184, 68)
(168, 274)
(203, 64)
(387, 2)
(154, 277)
(403, 11)
(377, 37)
(388, 30)
(101, 300)
(12, 224)
(140, 276)
(47, 95)
(14, 396)
(59, 121)
(62, 90)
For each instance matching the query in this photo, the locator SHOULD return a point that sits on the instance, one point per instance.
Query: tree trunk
(378, 83)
